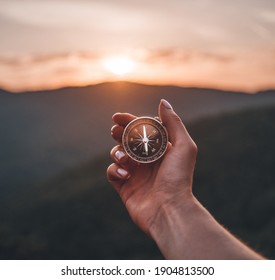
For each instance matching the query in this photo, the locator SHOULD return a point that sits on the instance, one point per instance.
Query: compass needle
(145, 140)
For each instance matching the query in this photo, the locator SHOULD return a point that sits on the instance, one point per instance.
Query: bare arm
(186, 230)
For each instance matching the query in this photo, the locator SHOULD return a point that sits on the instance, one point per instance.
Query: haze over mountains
(44, 133)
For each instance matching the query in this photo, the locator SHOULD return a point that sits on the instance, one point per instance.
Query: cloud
(174, 56)
(267, 15)
(43, 71)
(72, 14)
(32, 59)
(179, 56)
(72, 25)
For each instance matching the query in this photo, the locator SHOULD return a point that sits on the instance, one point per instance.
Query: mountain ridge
(112, 83)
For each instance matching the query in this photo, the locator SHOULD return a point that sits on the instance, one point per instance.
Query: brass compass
(145, 139)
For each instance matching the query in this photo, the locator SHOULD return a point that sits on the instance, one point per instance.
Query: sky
(205, 43)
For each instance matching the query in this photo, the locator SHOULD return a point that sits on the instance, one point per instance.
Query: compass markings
(147, 140)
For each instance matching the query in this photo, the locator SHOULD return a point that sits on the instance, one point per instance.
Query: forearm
(184, 229)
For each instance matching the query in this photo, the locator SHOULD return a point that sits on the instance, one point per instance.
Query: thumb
(177, 132)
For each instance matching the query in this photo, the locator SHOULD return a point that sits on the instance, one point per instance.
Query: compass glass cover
(145, 139)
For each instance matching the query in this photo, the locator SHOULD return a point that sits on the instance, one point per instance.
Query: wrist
(170, 224)
(184, 229)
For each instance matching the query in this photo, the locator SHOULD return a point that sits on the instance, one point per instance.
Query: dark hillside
(44, 133)
(77, 215)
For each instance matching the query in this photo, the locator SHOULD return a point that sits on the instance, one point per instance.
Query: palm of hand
(149, 186)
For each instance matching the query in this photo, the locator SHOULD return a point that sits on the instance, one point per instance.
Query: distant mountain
(43, 133)
(77, 215)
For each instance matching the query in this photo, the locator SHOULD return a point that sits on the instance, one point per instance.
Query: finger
(117, 175)
(123, 119)
(116, 132)
(177, 132)
(119, 155)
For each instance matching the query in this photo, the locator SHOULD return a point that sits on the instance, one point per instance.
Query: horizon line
(56, 88)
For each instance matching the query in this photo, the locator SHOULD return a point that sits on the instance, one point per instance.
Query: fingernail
(166, 104)
(119, 154)
(122, 172)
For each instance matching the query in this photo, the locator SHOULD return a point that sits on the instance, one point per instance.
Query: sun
(119, 65)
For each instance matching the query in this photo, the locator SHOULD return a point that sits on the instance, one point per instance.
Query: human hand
(158, 197)
(147, 189)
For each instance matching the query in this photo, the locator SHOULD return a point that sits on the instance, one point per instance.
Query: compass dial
(145, 139)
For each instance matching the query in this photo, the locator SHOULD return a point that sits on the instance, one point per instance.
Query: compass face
(145, 139)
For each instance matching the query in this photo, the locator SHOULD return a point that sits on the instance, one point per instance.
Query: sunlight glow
(119, 65)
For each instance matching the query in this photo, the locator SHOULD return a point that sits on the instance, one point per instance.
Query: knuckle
(189, 147)
(110, 167)
(176, 118)
(193, 147)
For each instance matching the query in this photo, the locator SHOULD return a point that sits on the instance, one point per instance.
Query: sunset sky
(205, 43)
